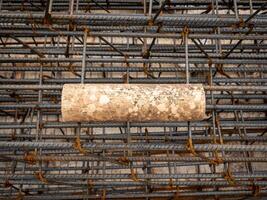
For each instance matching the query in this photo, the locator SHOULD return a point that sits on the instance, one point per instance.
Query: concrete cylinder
(133, 102)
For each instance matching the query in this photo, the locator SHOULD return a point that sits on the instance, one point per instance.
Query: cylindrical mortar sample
(133, 102)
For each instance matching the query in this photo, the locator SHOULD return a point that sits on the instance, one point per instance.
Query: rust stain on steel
(133, 102)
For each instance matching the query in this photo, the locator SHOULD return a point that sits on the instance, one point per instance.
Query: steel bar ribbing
(182, 20)
(189, 160)
(225, 123)
(141, 176)
(110, 184)
(135, 147)
(30, 33)
(142, 195)
(77, 68)
(5, 28)
(157, 136)
(165, 80)
(134, 47)
(208, 88)
(46, 44)
(134, 60)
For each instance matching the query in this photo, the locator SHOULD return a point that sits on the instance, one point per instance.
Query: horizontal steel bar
(134, 195)
(133, 19)
(137, 146)
(77, 68)
(133, 60)
(224, 123)
(208, 88)
(64, 177)
(161, 80)
(30, 33)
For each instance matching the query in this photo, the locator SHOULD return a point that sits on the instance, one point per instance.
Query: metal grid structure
(219, 43)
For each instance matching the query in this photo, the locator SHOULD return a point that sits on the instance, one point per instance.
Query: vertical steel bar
(186, 57)
(150, 9)
(83, 74)
(236, 10)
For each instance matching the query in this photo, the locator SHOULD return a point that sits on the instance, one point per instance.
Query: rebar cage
(218, 43)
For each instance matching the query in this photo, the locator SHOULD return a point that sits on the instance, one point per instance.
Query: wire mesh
(45, 44)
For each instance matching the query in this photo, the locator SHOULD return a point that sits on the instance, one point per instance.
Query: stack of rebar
(218, 43)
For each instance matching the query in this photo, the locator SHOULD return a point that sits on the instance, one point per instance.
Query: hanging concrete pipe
(133, 102)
